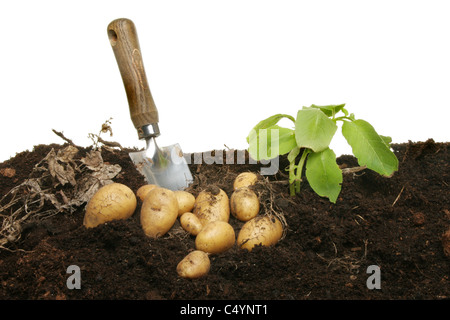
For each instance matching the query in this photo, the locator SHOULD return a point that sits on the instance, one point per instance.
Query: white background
(216, 68)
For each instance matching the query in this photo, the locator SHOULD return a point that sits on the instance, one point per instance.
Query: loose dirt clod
(8, 172)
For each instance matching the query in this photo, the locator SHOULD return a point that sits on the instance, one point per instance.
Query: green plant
(309, 142)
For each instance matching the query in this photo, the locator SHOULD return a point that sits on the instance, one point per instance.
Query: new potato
(143, 190)
(245, 179)
(195, 265)
(191, 223)
(212, 204)
(186, 201)
(244, 204)
(262, 230)
(113, 201)
(159, 212)
(215, 237)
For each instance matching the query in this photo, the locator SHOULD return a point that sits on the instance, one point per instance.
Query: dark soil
(396, 223)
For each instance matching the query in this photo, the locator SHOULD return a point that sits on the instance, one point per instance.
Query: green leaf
(313, 129)
(371, 149)
(323, 174)
(345, 111)
(268, 143)
(269, 122)
(328, 110)
(293, 154)
(386, 140)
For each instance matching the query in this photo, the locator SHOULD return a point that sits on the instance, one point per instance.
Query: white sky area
(216, 68)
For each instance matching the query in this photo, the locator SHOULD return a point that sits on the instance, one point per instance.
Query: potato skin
(113, 201)
(195, 265)
(244, 204)
(245, 179)
(261, 230)
(186, 201)
(215, 237)
(142, 192)
(191, 223)
(159, 212)
(212, 204)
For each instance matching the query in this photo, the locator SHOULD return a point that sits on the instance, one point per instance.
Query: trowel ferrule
(148, 131)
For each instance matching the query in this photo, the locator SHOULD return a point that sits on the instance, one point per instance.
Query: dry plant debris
(59, 182)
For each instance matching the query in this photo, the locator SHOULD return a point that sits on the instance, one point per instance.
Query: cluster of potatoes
(206, 217)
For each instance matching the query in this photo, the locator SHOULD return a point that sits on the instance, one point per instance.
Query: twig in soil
(398, 197)
(62, 136)
(358, 216)
(335, 249)
(365, 248)
(353, 170)
(111, 144)
(283, 182)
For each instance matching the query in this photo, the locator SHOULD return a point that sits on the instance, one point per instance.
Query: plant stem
(342, 118)
(292, 189)
(292, 182)
(296, 177)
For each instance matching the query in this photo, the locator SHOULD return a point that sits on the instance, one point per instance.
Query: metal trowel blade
(165, 167)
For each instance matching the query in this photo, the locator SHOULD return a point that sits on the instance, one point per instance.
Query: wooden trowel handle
(125, 44)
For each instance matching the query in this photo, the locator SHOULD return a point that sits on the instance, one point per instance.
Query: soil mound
(399, 224)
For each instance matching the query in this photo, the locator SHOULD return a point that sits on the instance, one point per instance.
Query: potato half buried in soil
(262, 230)
(113, 201)
(244, 204)
(245, 179)
(195, 265)
(212, 204)
(159, 212)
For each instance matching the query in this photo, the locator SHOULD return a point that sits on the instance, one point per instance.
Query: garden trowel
(165, 166)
